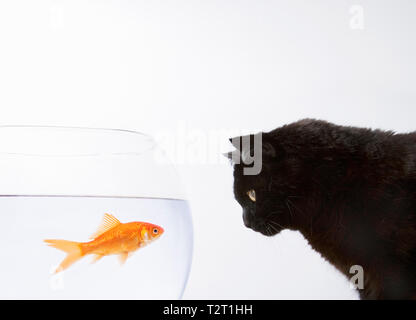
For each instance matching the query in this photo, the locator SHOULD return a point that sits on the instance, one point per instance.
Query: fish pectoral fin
(109, 222)
(123, 257)
(96, 258)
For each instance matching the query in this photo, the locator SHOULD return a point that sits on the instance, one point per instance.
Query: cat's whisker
(269, 233)
(293, 205)
(268, 228)
(290, 210)
(276, 224)
(273, 228)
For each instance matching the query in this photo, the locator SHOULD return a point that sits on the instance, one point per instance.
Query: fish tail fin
(72, 248)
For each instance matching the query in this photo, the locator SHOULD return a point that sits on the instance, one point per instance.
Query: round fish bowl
(90, 214)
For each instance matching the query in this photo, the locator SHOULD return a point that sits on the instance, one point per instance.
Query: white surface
(211, 65)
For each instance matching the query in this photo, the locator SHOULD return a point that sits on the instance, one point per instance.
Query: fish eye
(155, 231)
(252, 195)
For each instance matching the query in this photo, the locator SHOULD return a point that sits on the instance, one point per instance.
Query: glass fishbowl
(57, 183)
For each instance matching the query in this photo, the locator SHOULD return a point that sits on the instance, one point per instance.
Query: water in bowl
(157, 271)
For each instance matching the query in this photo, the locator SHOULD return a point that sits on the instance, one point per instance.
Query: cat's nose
(246, 220)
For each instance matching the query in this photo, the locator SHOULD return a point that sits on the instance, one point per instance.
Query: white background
(201, 66)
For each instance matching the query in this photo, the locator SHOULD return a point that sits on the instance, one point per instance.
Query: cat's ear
(268, 150)
(236, 142)
(234, 156)
(231, 155)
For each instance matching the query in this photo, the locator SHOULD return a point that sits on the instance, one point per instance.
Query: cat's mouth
(267, 228)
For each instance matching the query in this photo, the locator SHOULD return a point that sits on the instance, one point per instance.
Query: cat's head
(271, 198)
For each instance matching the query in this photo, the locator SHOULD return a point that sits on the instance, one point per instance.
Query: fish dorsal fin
(108, 223)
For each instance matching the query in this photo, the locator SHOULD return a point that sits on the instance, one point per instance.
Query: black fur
(350, 191)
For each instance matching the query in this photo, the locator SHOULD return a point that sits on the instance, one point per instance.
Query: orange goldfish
(112, 237)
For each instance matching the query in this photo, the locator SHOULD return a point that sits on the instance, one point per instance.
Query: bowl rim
(146, 138)
(29, 126)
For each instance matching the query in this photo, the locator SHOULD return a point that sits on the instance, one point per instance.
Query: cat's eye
(252, 195)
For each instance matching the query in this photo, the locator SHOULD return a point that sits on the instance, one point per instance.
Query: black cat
(350, 191)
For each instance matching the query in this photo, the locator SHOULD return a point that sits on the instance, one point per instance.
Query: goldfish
(111, 238)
